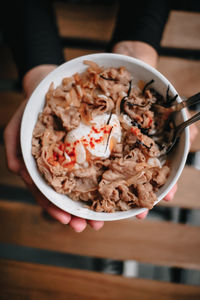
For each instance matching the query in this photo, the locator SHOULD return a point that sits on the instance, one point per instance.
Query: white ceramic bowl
(140, 71)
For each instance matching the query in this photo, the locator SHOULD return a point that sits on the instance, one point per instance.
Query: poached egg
(87, 142)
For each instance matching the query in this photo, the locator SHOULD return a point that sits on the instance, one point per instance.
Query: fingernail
(65, 220)
(169, 197)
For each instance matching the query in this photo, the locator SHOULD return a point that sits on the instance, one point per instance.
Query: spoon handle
(183, 125)
(179, 129)
(195, 99)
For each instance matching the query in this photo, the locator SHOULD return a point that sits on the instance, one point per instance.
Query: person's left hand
(16, 164)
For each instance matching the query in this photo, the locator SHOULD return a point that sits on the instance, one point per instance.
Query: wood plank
(182, 30)
(188, 192)
(10, 101)
(182, 73)
(161, 243)
(6, 177)
(85, 20)
(195, 146)
(71, 53)
(34, 281)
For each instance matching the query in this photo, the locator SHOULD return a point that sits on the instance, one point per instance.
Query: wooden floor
(157, 241)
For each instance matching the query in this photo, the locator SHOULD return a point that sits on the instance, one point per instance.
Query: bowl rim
(84, 212)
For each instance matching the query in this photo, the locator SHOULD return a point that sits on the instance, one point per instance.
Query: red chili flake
(62, 147)
(135, 131)
(55, 156)
(99, 140)
(96, 130)
(85, 144)
(107, 130)
(61, 159)
(76, 142)
(150, 122)
(52, 162)
(69, 165)
(92, 145)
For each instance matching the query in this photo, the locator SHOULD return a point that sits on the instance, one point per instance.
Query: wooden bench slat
(34, 281)
(6, 177)
(188, 192)
(182, 73)
(86, 21)
(195, 146)
(71, 53)
(182, 30)
(161, 243)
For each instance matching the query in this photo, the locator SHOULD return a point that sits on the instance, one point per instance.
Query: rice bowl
(139, 71)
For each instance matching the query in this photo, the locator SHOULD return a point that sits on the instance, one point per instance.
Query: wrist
(34, 76)
(137, 49)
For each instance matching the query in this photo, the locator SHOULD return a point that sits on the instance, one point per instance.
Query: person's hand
(15, 161)
(137, 49)
(148, 54)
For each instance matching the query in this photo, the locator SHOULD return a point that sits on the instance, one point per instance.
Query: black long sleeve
(32, 33)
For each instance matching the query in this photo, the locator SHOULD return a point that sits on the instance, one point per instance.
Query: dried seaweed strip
(122, 104)
(144, 131)
(129, 89)
(142, 144)
(169, 99)
(167, 95)
(160, 99)
(109, 78)
(147, 84)
(109, 119)
(125, 98)
(138, 105)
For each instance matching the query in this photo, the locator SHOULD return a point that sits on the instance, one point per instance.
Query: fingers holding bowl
(143, 215)
(171, 194)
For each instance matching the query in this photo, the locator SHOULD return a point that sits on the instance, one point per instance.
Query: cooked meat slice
(146, 196)
(70, 117)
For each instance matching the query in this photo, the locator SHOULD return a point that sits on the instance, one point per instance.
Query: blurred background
(87, 28)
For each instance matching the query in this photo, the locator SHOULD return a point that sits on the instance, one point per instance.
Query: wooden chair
(24, 230)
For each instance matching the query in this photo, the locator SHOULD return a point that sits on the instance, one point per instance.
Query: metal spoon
(167, 147)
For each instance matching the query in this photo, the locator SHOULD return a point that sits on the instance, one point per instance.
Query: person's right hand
(15, 160)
